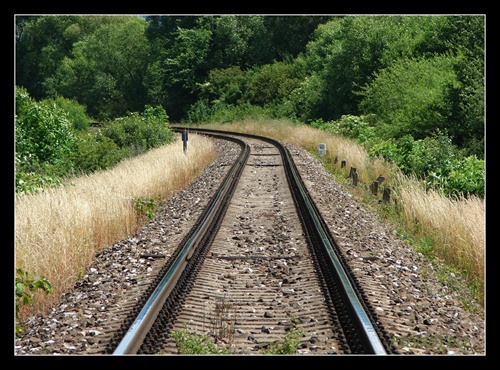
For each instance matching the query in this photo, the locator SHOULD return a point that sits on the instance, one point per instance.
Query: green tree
(272, 83)
(181, 69)
(105, 70)
(41, 45)
(224, 85)
(410, 97)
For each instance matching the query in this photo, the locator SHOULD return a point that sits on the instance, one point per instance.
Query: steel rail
(132, 340)
(316, 227)
(317, 232)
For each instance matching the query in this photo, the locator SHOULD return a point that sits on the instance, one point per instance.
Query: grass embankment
(58, 231)
(449, 230)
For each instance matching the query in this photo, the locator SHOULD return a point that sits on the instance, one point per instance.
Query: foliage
(203, 111)
(436, 160)
(183, 66)
(76, 112)
(145, 207)
(224, 85)
(272, 83)
(357, 128)
(44, 141)
(97, 152)
(140, 131)
(43, 131)
(192, 343)
(409, 97)
(48, 148)
(290, 343)
(33, 182)
(462, 177)
(105, 69)
(25, 285)
(418, 157)
(405, 75)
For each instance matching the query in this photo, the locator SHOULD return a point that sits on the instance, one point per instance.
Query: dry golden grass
(456, 227)
(58, 231)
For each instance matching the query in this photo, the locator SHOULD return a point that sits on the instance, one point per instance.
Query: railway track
(258, 265)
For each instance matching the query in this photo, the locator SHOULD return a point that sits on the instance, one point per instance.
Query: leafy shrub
(410, 96)
(225, 85)
(272, 83)
(97, 152)
(436, 160)
(463, 177)
(25, 284)
(354, 127)
(76, 112)
(140, 131)
(145, 207)
(44, 142)
(43, 131)
(193, 343)
(387, 149)
(32, 182)
(417, 157)
(434, 153)
(221, 112)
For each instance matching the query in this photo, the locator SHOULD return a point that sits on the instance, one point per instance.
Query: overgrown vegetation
(192, 342)
(26, 284)
(433, 159)
(390, 93)
(53, 142)
(59, 230)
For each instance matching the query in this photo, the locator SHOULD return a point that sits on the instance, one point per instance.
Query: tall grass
(454, 227)
(58, 231)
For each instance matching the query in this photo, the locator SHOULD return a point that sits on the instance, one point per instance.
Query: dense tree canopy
(411, 75)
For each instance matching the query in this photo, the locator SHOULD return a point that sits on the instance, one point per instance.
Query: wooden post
(374, 187)
(380, 179)
(387, 195)
(352, 172)
(343, 163)
(355, 178)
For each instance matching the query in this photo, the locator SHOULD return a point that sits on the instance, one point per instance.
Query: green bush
(357, 128)
(192, 343)
(432, 154)
(436, 160)
(145, 207)
(43, 131)
(463, 177)
(140, 131)
(202, 111)
(97, 152)
(44, 143)
(76, 112)
(25, 285)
